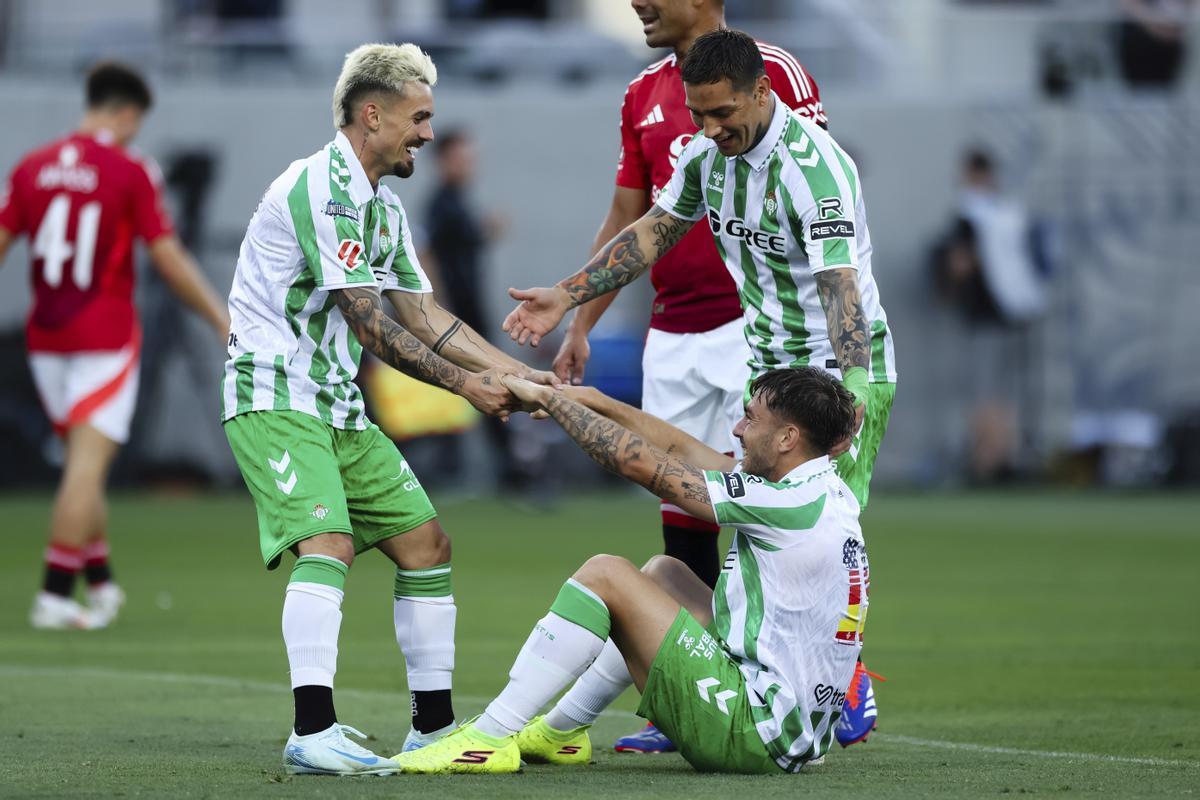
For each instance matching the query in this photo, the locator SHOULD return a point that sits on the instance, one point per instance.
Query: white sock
(603, 682)
(425, 633)
(312, 617)
(556, 653)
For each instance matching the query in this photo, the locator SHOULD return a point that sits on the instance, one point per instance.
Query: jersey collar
(360, 186)
(758, 156)
(808, 470)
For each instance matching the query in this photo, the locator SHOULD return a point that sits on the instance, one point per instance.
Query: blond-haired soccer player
(749, 677)
(327, 242)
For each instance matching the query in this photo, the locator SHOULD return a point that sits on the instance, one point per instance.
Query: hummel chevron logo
(720, 698)
(281, 467)
(801, 147)
(655, 116)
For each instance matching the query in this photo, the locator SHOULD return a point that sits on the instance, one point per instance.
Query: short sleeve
(632, 172)
(328, 229)
(401, 270)
(683, 196)
(11, 218)
(769, 512)
(151, 219)
(828, 221)
(793, 84)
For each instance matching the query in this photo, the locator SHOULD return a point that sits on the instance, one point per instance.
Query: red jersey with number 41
(81, 201)
(693, 290)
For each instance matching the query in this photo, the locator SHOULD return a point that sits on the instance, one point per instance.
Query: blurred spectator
(457, 238)
(987, 266)
(1152, 41)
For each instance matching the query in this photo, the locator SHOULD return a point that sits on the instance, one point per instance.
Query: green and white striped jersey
(791, 601)
(319, 227)
(789, 208)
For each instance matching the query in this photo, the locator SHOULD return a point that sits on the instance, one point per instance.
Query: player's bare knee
(421, 548)
(333, 545)
(661, 566)
(599, 572)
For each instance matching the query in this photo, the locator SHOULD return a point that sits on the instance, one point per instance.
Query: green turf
(1034, 622)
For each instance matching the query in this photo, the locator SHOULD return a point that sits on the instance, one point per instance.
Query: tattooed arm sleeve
(848, 330)
(621, 451)
(630, 253)
(376, 331)
(447, 335)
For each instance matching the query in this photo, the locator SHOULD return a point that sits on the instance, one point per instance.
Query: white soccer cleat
(53, 612)
(330, 752)
(105, 602)
(416, 740)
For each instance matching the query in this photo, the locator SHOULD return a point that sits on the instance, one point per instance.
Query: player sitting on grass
(748, 678)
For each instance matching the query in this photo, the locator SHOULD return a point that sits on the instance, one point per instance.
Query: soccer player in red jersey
(695, 360)
(82, 200)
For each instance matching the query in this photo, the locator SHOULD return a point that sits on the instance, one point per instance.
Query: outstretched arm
(376, 331)
(622, 451)
(848, 332)
(627, 206)
(660, 434)
(630, 253)
(451, 338)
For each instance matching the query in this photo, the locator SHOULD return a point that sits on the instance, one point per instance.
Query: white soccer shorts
(695, 381)
(96, 388)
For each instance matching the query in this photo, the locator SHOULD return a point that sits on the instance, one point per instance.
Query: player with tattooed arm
(749, 678)
(326, 245)
(784, 204)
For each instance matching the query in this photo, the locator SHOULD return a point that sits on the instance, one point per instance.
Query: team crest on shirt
(770, 205)
(385, 239)
(320, 511)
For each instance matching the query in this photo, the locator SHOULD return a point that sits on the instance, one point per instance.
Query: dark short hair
(112, 83)
(724, 55)
(448, 140)
(810, 398)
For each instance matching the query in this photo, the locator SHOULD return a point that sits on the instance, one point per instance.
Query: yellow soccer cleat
(541, 744)
(467, 749)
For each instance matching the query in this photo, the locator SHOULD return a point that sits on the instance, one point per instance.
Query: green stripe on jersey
(785, 284)
(784, 518)
(752, 583)
(879, 334)
(751, 288)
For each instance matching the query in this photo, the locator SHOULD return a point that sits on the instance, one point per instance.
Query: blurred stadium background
(1089, 378)
(1100, 376)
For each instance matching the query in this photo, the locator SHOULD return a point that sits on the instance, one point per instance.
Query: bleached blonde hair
(379, 68)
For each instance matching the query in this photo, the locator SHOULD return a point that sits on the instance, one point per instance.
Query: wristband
(855, 381)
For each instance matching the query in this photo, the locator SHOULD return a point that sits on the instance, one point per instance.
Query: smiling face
(402, 126)
(765, 436)
(666, 22)
(735, 120)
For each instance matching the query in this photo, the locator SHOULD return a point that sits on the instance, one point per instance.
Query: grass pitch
(1034, 643)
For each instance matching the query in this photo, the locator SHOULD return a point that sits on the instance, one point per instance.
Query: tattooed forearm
(623, 259)
(377, 332)
(619, 450)
(848, 331)
(667, 229)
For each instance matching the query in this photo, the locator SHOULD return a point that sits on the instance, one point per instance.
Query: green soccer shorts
(308, 478)
(697, 696)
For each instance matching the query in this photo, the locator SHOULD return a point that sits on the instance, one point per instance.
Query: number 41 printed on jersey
(54, 249)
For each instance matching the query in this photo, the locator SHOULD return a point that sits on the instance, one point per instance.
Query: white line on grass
(226, 682)
(1012, 751)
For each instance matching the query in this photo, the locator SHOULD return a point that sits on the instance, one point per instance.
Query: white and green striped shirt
(319, 227)
(791, 601)
(789, 208)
